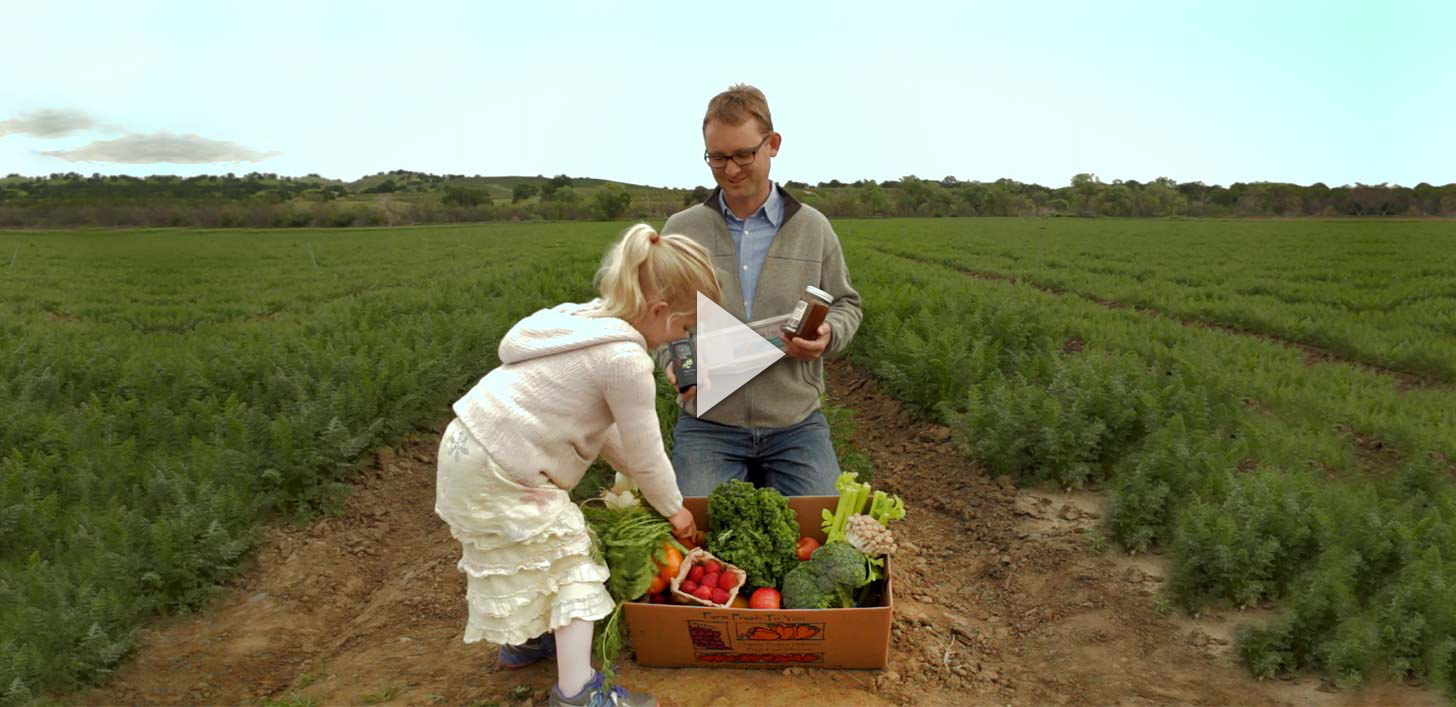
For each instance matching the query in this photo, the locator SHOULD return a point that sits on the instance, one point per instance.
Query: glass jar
(809, 313)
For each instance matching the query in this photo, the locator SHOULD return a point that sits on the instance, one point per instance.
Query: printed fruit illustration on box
(782, 632)
(707, 635)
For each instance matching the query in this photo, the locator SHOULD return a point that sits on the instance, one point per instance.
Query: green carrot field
(1268, 402)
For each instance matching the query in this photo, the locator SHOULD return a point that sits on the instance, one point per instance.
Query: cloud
(161, 147)
(47, 123)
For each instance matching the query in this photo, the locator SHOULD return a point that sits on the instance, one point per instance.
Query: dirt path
(1001, 600)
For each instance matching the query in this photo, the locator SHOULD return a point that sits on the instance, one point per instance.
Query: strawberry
(720, 596)
(727, 581)
(713, 567)
(697, 572)
(710, 580)
(689, 587)
(704, 593)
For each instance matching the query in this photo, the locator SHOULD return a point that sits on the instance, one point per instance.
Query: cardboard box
(671, 636)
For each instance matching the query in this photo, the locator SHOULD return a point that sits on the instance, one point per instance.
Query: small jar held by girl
(575, 381)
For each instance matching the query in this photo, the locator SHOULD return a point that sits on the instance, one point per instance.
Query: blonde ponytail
(643, 266)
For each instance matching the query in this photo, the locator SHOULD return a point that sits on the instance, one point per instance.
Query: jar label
(797, 317)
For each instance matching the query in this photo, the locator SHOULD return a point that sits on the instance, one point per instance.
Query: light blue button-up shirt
(751, 238)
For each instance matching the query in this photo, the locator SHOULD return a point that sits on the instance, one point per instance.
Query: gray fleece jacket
(806, 251)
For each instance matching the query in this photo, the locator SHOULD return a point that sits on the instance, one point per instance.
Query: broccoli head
(828, 579)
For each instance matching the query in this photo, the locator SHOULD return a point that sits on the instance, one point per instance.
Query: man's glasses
(742, 158)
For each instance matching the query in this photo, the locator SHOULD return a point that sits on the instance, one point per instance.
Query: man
(767, 246)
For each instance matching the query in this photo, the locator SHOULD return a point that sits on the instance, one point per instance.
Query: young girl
(575, 380)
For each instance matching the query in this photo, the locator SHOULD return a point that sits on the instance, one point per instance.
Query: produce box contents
(777, 580)
(755, 529)
(841, 573)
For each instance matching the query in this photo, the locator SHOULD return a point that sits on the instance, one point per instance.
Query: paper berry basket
(698, 556)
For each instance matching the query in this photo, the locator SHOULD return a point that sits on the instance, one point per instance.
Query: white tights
(573, 657)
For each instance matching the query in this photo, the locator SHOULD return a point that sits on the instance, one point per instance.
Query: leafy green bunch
(753, 529)
(628, 539)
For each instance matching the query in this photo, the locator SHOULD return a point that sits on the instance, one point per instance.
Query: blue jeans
(797, 460)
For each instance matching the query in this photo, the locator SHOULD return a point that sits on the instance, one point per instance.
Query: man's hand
(684, 528)
(810, 349)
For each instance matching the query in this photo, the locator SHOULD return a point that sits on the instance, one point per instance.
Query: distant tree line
(1089, 196)
(405, 197)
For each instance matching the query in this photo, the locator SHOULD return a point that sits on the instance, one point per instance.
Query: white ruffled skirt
(525, 550)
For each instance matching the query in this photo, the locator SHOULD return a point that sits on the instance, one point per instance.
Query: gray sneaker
(593, 695)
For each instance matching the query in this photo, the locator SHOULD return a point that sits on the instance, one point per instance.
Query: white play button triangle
(729, 354)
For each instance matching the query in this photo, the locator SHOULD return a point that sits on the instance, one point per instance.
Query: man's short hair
(736, 105)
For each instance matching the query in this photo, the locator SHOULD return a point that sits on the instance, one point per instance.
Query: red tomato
(807, 546)
(764, 598)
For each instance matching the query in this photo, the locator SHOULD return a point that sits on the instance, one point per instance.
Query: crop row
(1392, 306)
(1255, 504)
(176, 389)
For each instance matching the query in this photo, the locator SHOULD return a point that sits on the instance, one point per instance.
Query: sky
(1220, 92)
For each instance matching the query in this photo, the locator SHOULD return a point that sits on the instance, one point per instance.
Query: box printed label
(779, 632)
(758, 637)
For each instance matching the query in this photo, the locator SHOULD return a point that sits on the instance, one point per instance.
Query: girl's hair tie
(653, 238)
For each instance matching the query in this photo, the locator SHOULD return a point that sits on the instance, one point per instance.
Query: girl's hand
(672, 378)
(684, 528)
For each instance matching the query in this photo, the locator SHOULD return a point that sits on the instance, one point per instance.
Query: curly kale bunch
(753, 529)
